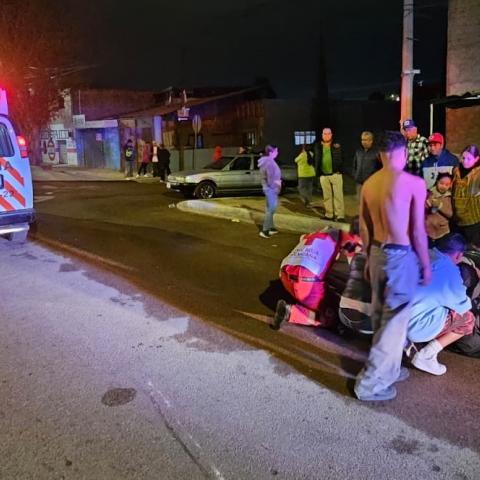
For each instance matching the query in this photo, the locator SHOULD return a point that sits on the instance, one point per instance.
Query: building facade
(94, 124)
(463, 72)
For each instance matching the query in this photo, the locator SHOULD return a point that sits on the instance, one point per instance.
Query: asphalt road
(222, 273)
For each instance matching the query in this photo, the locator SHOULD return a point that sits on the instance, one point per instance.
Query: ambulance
(16, 190)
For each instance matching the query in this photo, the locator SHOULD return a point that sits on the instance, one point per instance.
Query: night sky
(152, 44)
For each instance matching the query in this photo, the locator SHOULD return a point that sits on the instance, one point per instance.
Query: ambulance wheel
(18, 237)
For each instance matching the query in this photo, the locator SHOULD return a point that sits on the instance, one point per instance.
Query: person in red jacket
(217, 154)
(303, 274)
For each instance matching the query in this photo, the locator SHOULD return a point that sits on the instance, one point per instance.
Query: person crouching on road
(303, 274)
(306, 174)
(271, 185)
(440, 312)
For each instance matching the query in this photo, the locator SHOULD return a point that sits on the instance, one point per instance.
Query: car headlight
(175, 179)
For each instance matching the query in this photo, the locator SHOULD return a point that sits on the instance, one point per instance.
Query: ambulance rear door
(16, 191)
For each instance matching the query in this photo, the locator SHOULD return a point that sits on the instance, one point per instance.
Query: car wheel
(205, 190)
(283, 188)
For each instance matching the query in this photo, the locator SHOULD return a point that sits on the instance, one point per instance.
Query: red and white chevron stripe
(12, 195)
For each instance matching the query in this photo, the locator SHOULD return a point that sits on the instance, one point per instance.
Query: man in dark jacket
(329, 168)
(366, 161)
(440, 160)
(163, 162)
(130, 155)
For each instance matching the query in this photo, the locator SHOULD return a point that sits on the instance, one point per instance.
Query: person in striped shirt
(417, 147)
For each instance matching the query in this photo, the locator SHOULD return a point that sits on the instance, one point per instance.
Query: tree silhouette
(35, 56)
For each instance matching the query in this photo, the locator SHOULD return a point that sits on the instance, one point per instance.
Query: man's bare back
(389, 200)
(392, 208)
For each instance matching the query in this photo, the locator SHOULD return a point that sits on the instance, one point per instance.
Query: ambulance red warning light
(22, 145)
(3, 102)
(16, 192)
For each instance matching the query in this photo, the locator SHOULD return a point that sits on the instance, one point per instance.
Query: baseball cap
(436, 138)
(408, 123)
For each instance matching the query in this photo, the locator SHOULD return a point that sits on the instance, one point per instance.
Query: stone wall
(463, 71)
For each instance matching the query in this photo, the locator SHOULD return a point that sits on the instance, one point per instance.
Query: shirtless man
(392, 228)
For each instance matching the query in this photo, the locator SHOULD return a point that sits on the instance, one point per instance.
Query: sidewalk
(66, 173)
(291, 214)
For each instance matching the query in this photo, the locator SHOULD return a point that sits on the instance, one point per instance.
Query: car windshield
(219, 164)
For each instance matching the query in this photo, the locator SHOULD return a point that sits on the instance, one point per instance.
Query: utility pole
(320, 117)
(407, 61)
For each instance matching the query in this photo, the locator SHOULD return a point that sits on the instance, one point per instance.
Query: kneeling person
(303, 274)
(440, 311)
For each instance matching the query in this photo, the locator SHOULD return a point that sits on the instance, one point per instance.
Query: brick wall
(463, 71)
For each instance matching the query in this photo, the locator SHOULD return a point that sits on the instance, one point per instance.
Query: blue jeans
(128, 168)
(394, 276)
(271, 197)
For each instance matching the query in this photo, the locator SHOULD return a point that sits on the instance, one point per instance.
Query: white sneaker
(145, 175)
(428, 364)
(264, 234)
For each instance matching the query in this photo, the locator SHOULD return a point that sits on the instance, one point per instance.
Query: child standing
(306, 174)
(439, 209)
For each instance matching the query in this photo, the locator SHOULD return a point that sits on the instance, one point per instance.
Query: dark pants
(128, 168)
(156, 169)
(164, 172)
(470, 232)
(143, 168)
(305, 188)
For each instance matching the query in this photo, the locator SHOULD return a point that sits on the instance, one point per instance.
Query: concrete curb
(294, 223)
(86, 175)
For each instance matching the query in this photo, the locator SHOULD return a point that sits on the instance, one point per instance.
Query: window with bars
(250, 139)
(304, 137)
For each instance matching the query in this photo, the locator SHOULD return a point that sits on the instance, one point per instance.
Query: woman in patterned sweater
(466, 192)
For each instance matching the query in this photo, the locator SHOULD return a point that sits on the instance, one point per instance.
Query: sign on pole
(197, 126)
(51, 149)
